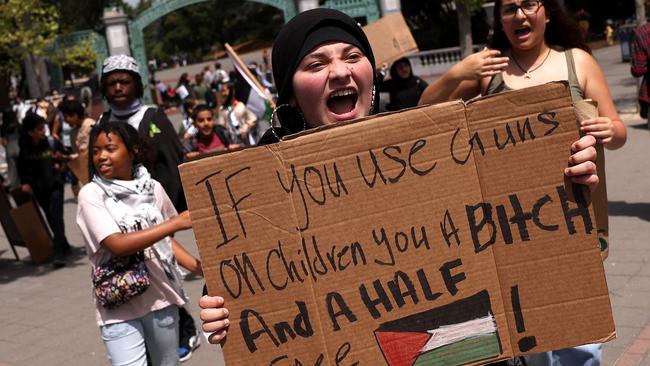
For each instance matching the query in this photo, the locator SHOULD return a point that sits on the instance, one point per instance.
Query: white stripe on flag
(448, 334)
(240, 68)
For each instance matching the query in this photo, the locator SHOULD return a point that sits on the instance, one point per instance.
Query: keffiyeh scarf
(135, 209)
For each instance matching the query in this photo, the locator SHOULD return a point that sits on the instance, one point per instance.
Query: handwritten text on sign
(386, 239)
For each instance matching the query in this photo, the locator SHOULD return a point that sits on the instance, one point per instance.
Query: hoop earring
(275, 111)
(304, 121)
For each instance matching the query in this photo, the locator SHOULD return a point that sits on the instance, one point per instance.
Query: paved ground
(47, 317)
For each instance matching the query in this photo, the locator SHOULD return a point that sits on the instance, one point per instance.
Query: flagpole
(243, 68)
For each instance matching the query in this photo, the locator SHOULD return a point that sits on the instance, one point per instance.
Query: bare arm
(186, 259)
(608, 127)
(128, 243)
(56, 127)
(463, 80)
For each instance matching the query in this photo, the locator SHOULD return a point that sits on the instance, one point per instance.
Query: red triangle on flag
(401, 348)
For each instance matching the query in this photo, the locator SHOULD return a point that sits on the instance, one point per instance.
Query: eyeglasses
(529, 7)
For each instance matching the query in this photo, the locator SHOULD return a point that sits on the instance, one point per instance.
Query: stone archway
(161, 8)
(368, 9)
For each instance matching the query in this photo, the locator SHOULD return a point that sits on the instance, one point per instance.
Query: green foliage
(434, 23)
(75, 15)
(79, 56)
(201, 29)
(27, 27)
(474, 5)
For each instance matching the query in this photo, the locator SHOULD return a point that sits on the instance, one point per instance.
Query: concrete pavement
(47, 316)
(628, 267)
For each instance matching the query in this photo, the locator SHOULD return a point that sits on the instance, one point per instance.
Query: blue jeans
(587, 355)
(127, 342)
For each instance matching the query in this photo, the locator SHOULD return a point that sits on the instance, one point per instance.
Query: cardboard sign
(79, 167)
(437, 235)
(390, 38)
(587, 109)
(33, 230)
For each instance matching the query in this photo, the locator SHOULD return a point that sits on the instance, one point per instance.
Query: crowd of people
(324, 72)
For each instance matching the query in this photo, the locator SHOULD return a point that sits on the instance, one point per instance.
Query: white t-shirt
(96, 223)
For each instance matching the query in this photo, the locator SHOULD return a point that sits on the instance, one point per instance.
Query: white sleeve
(93, 218)
(164, 203)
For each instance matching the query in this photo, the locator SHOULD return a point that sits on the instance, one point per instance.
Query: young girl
(121, 212)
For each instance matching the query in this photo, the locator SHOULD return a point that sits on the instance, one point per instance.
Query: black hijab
(298, 38)
(410, 80)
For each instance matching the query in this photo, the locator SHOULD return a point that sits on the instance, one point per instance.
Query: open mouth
(522, 32)
(342, 101)
(103, 168)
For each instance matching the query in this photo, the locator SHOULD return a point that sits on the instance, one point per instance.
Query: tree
(640, 12)
(464, 10)
(75, 15)
(200, 29)
(78, 57)
(27, 28)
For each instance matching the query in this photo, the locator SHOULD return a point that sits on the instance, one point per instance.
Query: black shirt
(37, 165)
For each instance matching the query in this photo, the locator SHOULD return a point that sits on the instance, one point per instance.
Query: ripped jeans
(127, 342)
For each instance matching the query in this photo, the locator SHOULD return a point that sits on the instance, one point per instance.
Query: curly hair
(561, 30)
(125, 131)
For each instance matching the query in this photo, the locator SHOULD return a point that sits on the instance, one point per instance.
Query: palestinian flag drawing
(461, 332)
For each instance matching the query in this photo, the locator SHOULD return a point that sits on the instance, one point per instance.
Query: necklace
(527, 72)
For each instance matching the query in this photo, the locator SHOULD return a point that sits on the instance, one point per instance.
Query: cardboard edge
(482, 98)
(366, 118)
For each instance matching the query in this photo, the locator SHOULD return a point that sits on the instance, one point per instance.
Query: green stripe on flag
(267, 112)
(462, 352)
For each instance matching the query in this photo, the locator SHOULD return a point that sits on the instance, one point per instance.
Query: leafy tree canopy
(27, 27)
(201, 29)
(430, 22)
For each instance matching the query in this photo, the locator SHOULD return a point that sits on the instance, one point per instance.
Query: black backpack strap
(104, 117)
(143, 128)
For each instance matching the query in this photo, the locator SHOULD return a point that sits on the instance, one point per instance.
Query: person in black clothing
(122, 88)
(403, 87)
(40, 169)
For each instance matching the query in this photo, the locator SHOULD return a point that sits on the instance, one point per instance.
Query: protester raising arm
(466, 78)
(542, 45)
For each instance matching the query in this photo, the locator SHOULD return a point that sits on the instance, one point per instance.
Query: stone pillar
(304, 5)
(36, 76)
(117, 36)
(389, 6)
(488, 8)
